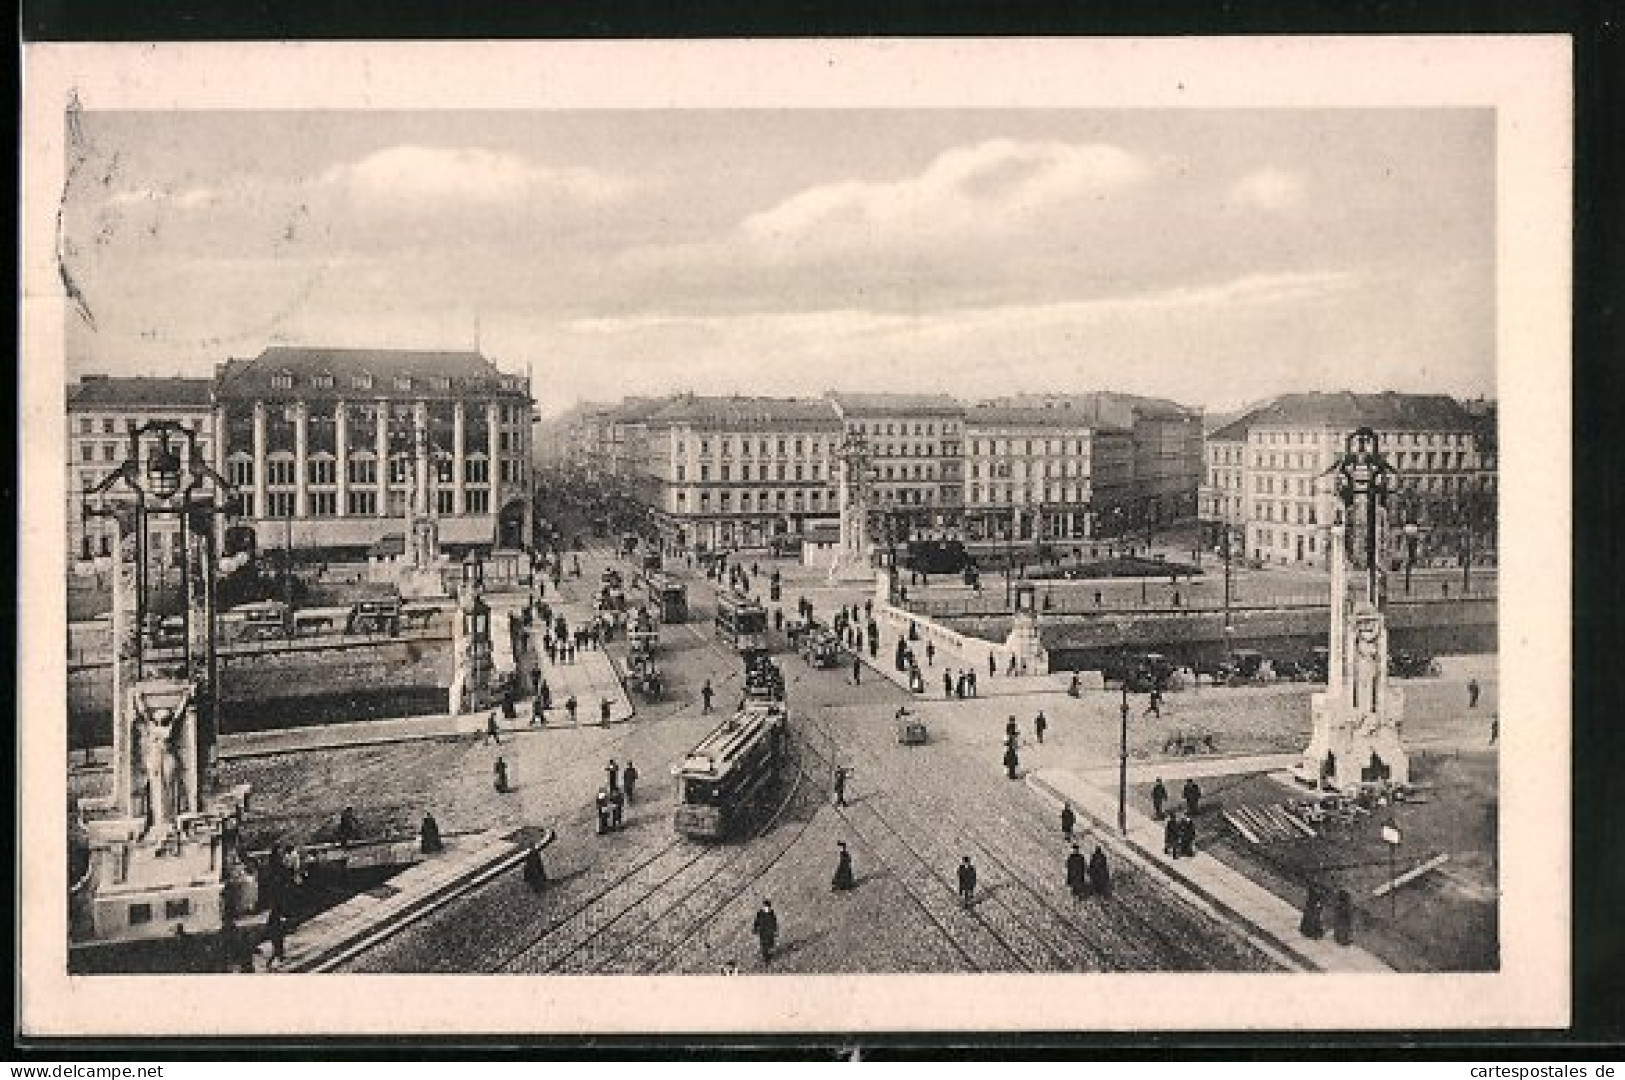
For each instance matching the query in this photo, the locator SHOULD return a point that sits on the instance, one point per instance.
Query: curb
(331, 956)
(1262, 939)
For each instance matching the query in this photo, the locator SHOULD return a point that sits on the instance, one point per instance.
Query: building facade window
(362, 502)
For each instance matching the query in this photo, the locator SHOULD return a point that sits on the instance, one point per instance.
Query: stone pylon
(1358, 721)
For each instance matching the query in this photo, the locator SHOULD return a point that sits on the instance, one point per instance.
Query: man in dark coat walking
(1069, 820)
(1343, 918)
(967, 882)
(1100, 875)
(1171, 836)
(1159, 799)
(948, 684)
(706, 693)
(843, 879)
(612, 776)
(535, 873)
(1011, 762)
(1077, 873)
(1011, 733)
(840, 785)
(1187, 837)
(1312, 924)
(1472, 693)
(629, 780)
(1193, 797)
(766, 928)
(500, 776)
(857, 672)
(1040, 725)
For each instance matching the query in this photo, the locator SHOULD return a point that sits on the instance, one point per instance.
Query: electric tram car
(668, 597)
(723, 780)
(741, 621)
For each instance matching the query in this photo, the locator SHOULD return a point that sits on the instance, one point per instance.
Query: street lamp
(1122, 763)
(171, 482)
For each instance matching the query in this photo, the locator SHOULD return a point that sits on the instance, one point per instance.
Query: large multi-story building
(333, 450)
(1158, 484)
(740, 471)
(102, 410)
(1029, 474)
(916, 447)
(1273, 458)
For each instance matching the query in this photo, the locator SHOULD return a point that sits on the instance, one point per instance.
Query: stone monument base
(1350, 747)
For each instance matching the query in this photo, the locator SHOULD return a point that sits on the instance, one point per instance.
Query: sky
(1213, 257)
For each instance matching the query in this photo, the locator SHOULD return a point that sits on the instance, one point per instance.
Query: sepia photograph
(833, 543)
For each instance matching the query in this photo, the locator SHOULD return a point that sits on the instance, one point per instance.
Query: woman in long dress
(843, 879)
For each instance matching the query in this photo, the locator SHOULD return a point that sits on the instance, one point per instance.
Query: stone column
(126, 655)
(493, 413)
(301, 458)
(341, 450)
(381, 437)
(459, 504)
(199, 759)
(420, 457)
(261, 508)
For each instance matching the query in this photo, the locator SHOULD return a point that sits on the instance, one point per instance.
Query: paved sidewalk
(468, 861)
(1270, 917)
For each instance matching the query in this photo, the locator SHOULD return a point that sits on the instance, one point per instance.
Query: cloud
(463, 175)
(983, 187)
(1268, 189)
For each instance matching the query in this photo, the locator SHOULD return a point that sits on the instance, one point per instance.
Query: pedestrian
(1472, 693)
(617, 808)
(603, 710)
(570, 707)
(961, 685)
(552, 650)
(1312, 925)
(840, 785)
(535, 873)
(1193, 797)
(612, 774)
(429, 841)
(601, 804)
(493, 733)
(970, 683)
(1159, 799)
(1100, 875)
(348, 828)
(500, 771)
(509, 712)
(1010, 669)
(1097, 598)
(1495, 728)
(1172, 835)
(706, 694)
(930, 654)
(992, 666)
(1154, 708)
(1011, 762)
(629, 780)
(1343, 918)
(843, 881)
(1010, 732)
(1187, 837)
(1077, 871)
(1069, 820)
(535, 680)
(766, 928)
(1039, 724)
(967, 882)
(948, 684)
(276, 932)
(857, 672)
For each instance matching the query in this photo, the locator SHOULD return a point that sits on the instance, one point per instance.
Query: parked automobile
(1404, 665)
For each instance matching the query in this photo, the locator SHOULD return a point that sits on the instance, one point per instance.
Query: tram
(723, 779)
(741, 621)
(668, 597)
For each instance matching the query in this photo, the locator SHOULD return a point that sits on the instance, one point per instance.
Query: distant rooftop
(1015, 416)
(1387, 410)
(138, 392)
(375, 373)
(866, 405)
(747, 412)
